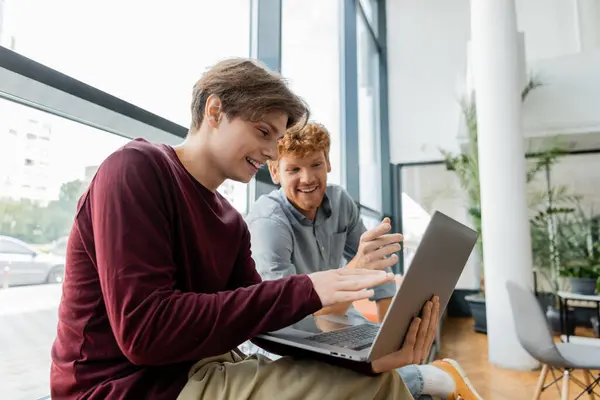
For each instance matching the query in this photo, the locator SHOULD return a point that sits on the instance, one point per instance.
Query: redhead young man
(160, 286)
(309, 226)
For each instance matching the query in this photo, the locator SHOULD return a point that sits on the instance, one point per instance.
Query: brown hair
(311, 138)
(248, 90)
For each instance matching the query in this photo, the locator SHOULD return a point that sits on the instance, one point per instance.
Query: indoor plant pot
(585, 286)
(478, 311)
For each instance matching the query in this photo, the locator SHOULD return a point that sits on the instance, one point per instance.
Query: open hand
(417, 343)
(347, 285)
(375, 247)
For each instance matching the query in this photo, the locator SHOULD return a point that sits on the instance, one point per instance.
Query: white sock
(436, 382)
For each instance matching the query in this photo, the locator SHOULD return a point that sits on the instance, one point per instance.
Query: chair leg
(588, 382)
(565, 387)
(540, 384)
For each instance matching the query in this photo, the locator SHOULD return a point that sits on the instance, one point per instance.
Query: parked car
(28, 266)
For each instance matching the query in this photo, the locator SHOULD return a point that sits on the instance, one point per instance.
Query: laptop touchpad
(326, 323)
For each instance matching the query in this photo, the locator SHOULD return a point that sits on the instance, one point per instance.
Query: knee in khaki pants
(232, 377)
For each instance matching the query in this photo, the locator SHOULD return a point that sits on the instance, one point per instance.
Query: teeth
(256, 164)
(308, 190)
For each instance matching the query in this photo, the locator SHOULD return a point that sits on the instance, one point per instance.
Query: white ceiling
(568, 102)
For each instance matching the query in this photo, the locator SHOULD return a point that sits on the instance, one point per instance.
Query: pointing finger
(382, 241)
(385, 251)
(374, 233)
(384, 262)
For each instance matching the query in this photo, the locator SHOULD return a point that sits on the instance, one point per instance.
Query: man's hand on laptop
(417, 343)
(347, 285)
(377, 247)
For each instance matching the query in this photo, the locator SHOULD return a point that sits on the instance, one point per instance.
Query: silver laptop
(434, 271)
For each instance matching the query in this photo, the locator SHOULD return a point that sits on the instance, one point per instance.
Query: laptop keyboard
(357, 337)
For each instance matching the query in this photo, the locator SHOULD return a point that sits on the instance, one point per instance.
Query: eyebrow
(272, 127)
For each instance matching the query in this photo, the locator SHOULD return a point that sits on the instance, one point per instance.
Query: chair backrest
(531, 325)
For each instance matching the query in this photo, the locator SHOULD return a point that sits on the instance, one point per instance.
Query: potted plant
(545, 227)
(579, 253)
(466, 167)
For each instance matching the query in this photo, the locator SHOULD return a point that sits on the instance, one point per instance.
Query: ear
(274, 170)
(212, 110)
(328, 163)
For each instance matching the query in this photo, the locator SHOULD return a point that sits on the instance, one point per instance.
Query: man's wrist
(352, 264)
(384, 299)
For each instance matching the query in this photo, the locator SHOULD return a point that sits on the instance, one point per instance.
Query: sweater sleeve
(153, 323)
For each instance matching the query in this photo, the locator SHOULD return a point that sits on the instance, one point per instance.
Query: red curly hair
(313, 137)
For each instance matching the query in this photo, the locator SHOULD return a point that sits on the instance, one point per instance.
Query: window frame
(32, 84)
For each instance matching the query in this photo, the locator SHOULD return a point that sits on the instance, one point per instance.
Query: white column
(497, 68)
(586, 23)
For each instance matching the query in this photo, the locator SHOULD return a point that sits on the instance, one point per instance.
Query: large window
(46, 162)
(237, 194)
(310, 36)
(368, 116)
(147, 53)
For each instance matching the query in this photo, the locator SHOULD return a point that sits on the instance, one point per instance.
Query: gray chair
(535, 336)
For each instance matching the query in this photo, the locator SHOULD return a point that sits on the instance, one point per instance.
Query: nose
(270, 150)
(305, 176)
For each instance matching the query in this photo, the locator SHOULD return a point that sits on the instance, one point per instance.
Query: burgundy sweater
(158, 275)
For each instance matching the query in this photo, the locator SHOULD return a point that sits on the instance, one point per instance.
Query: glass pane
(370, 9)
(311, 61)
(370, 221)
(146, 53)
(430, 188)
(573, 176)
(574, 189)
(368, 118)
(237, 194)
(46, 162)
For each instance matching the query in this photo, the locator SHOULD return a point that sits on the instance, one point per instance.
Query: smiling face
(243, 146)
(302, 167)
(303, 179)
(240, 110)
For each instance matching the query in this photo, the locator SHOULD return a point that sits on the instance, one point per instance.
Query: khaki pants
(232, 376)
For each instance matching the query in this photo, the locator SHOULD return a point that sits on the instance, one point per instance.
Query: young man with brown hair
(159, 272)
(309, 226)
